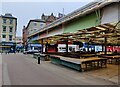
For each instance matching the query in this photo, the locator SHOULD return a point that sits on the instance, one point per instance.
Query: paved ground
(19, 69)
(110, 73)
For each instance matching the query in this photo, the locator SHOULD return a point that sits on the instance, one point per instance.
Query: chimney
(23, 26)
(52, 14)
(42, 17)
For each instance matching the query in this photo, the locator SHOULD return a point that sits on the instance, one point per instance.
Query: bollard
(38, 60)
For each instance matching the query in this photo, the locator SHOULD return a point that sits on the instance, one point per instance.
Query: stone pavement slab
(110, 73)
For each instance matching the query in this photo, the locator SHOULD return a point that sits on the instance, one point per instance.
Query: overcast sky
(33, 9)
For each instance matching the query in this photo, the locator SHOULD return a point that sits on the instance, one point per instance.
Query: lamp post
(66, 41)
(14, 42)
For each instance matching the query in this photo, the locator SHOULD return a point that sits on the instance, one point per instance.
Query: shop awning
(5, 46)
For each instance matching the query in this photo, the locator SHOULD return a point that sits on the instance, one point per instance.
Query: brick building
(48, 19)
(24, 38)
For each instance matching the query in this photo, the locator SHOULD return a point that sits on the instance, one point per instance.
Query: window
(36, 48)
(11, 21)
(10, 29)
(4, 21)
(4, 28)
(35, 24)
(10, 37)
(3, 36)
(42, 25)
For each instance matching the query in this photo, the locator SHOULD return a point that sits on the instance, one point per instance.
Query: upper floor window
(10, 37)
(3, 36)
(35, 24)
(4, 21)
(11, 29)
(11, 21)
(41, 25)
(4, 28)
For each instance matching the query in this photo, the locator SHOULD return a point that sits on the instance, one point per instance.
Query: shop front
(7, 47)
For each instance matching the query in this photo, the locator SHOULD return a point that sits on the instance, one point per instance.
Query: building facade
(19, 40)
(24, 35)
(48, 19)
(19, 44)
(34, 25)
(8, 27)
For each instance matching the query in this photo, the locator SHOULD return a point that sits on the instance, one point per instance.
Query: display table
(44, 57)
(80, 64)
(71, 63)
(112, 59)
(84, 64)
(55, 59)
(87, 55)
(93, 63)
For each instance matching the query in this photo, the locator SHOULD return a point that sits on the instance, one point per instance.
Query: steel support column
(88, 46)
(66, 45)
(105, 43)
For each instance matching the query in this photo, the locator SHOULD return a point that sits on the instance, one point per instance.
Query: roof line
(76, 13)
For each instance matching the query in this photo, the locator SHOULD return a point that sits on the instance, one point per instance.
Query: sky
(25, 10)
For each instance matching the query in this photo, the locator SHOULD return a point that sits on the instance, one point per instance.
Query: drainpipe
(105, 43)
(88, 46)
(102, 47)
